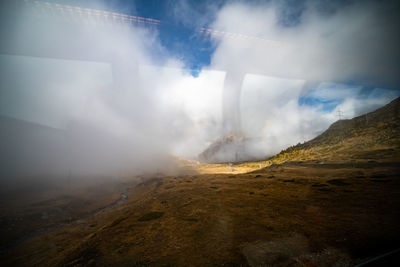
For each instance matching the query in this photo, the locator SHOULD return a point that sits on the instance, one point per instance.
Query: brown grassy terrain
(33, 205)
(304, 214)
(332, 201)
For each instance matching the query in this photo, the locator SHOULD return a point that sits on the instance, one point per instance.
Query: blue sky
(182, 20)
(180, 37)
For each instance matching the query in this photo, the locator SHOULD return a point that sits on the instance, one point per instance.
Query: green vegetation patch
(151, 216)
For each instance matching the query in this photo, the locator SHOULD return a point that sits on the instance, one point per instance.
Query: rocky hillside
(372, 136)
(229, 148)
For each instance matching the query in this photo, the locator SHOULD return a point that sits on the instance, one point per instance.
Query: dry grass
(295, 213)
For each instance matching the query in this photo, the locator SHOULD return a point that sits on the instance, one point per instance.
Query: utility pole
(339, 114)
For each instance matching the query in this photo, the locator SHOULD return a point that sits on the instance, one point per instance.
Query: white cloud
(149, 112)
(354, 43)
(271, 114)
(333, 91)
(357, 42)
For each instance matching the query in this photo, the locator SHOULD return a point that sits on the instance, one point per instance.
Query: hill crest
(372, 136)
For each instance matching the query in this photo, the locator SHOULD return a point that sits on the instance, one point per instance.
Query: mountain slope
(372, 136)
